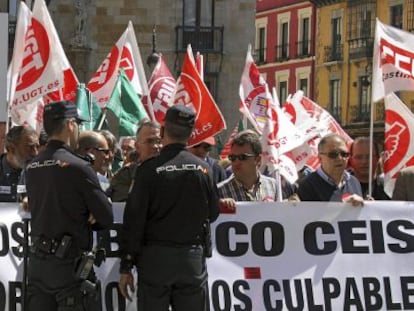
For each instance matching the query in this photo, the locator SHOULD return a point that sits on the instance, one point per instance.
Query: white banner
(276, 256)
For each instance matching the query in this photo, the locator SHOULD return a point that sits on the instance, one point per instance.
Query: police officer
(67, 203)
(163, 233)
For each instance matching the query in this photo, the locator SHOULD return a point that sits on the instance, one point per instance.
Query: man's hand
(25, 204)
(126, 284)
(91, 219)
(354, 199)
(227, 206)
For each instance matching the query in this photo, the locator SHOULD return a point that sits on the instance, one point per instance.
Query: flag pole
(103, 117)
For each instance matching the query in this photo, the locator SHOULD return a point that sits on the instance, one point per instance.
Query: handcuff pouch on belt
(84, 269)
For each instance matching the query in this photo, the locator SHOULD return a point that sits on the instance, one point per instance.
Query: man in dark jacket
(164, 223)
(67, 203)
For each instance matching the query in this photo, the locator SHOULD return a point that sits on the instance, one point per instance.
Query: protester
(202, 151)
(359, 163)
(163, 230)
(127, 145)
(66, 204)
(94, 146)
(403, 190)
(246, 183)
(115, 153)
(22, 144)
(331, 181)
(147, 145)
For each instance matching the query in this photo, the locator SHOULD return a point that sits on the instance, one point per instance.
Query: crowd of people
(68, 178)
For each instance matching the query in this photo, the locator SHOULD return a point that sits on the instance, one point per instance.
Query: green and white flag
(126, 108)
(88, 108)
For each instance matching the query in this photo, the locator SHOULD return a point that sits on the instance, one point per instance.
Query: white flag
(398, 140)
(125, 54)
(393, 63)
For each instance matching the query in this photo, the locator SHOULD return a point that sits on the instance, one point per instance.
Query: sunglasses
(106, 151)
(336, 154)
(241, 157)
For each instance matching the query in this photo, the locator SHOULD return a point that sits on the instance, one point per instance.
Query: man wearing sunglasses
(331, 181)
(94, 146)
(202, 150)
(246, 183)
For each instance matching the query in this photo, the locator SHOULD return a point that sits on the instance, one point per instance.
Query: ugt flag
(252, 92)
(125, 54)
(191, 91)
(398, 140)
(39, 68)
(393, 63)
(161, 88)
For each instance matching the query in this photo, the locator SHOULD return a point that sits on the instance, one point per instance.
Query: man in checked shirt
(246, 183)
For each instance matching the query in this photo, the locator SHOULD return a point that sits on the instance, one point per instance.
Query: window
(198, 23)
(335, 98)
(304, 47)
(198, 13)
(364, 98)
(261, 49)
(283, 91)
(361, 25)
(410, 14)
(12, 9)
(284, 40)
(336, 34)
(396, 16)
(303, 85)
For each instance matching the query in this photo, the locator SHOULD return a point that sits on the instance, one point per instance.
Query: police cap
(61, 110)
(181, 115)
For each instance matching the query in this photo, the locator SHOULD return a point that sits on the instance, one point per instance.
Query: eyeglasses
(336, 154)
(241, 157)
(106, 151)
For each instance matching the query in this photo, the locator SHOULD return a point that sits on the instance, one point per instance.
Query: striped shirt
(264, 190)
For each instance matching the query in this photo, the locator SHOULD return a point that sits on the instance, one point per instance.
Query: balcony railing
(260, 56)
(333, 53)
(202, 39)
(360, 48)
(282, 52)
(303, 48)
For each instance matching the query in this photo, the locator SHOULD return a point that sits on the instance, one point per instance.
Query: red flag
(125, 54)
(68, 92)
(161, 88)
(191, 91)
(399, 143)
(227, 147)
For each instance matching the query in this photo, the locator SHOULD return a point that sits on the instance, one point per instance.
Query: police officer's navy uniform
(172, 196)
(63, 191)
(10, 185)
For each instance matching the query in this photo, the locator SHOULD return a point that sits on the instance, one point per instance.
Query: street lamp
(153, 58)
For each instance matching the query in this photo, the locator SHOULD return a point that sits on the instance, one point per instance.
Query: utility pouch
(207, 246)
(63, 248)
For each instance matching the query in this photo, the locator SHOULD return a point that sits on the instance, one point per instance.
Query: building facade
(344, 53)
(285, 45)
(220, 29)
